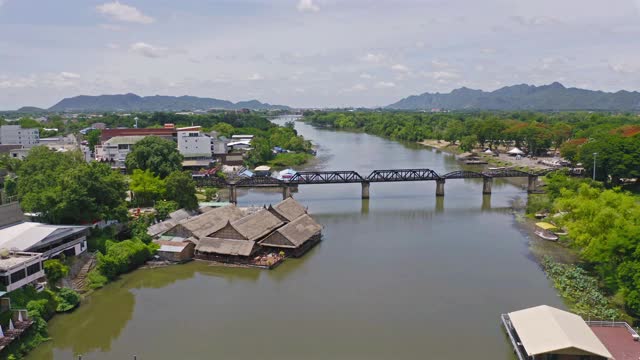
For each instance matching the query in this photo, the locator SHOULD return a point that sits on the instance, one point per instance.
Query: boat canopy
(546, 225)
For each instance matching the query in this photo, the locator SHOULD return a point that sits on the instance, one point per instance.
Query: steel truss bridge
(376, 176)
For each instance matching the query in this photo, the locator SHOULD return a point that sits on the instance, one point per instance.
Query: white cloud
(384, 85)
(442, 76)
(400, 68)
(366, 76)
(355, 88)
(255, 76)
(148, 50)
(536, 20)
(624, 68)
(307, 6)
(125, 13)
(69, 75)
(373, 58)
(439, 64)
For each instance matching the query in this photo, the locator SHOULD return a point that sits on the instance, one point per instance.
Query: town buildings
(18, 269)
(16, 135)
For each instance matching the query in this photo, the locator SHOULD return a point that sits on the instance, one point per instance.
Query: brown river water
(401, 276)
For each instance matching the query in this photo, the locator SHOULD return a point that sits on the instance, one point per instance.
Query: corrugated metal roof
(544, 329)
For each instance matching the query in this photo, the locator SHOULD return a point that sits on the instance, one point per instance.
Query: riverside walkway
(376, 176)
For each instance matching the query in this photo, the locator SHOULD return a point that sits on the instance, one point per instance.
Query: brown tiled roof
(289, 209)
(255, 226)
(225, 246)
(297, 232)
(212, 221)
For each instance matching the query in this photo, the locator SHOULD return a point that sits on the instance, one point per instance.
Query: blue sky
(311, 52)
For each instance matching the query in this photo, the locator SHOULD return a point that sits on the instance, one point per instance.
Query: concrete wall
(15, 134)
(10, 214)
(193, 144)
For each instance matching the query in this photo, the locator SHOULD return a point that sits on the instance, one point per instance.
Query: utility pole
(594, 165)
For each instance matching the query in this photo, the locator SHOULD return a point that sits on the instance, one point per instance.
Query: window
(4, 280)
(18, 275)
(32, 269)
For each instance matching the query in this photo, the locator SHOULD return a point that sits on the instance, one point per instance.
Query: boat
(546, 235)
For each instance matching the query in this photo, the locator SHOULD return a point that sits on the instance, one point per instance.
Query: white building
(18, 269)
(116, 149)
(193, 144)
(16, 135)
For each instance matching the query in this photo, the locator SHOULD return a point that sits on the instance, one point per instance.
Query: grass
(290, 159)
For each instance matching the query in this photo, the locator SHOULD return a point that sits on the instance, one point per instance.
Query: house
(262, 170)
(241, 145)
(241, 137)
(16, 135)
(176, 249)
(252, 227)
(288, 209)
(225, 250)
(544, 332)
(296, 237)
(206, 224)
(49, 240)
(193, 145)
(167, 133)
(116, 149)
(18, 269)
(172, 220)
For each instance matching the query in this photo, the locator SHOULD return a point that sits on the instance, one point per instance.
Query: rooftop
(225, 246)
(288, 209)
(26, 235)
(544, 329)
(618, 340)
(117, 140)
(17, 258)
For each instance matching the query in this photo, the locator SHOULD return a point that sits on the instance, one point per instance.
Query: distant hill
(31, 110)
(523, 97)
(133, 102)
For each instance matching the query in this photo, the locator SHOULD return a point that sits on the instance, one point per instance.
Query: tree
(468, 143)
(93, 138)
(55, 271)
(64, 189)
(181, 188)
(223, 129)
(10, 185)
(156, 154)
(618, 157)
(146, 187)
(164, 208)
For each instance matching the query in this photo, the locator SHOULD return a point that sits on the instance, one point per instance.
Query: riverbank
(502, 160)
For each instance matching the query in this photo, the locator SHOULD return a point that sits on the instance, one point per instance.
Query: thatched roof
(161, 227)
(296, 232)
(225, 246)
(257, 225)
(288, 209)
(212, 221)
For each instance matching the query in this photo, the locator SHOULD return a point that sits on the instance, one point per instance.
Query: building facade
(193, 144)
(18, 269)
(16, 135)
(116, 149)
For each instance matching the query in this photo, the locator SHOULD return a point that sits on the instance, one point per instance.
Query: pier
(376, 176)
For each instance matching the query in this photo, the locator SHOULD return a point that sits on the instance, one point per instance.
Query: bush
(68, 299)
(96, 280)
(55, 271)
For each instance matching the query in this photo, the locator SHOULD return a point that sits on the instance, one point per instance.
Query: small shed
(295, 238)
(262, 170)
(177, 251)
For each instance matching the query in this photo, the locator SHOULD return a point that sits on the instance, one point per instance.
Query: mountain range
(133, 102)
(523, 97)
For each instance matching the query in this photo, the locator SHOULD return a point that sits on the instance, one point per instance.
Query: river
(401, 276)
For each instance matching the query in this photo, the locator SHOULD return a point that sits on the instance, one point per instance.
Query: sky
(311, 53)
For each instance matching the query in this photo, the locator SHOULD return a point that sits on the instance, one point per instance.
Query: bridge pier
(486, 202)
(286, 192)
(233, 195)
(365, 189)
(532, 183)
(486, 185)
(440, 187)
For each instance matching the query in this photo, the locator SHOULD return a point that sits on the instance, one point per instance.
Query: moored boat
(546, 235)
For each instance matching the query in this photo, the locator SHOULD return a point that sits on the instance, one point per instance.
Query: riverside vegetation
(577, 135)
(604, 229)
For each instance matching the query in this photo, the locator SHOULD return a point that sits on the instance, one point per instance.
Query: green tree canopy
(93, 138)
(64, 189)
(55, 271)
(156, 154)
(181, 188)
(146, 187)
